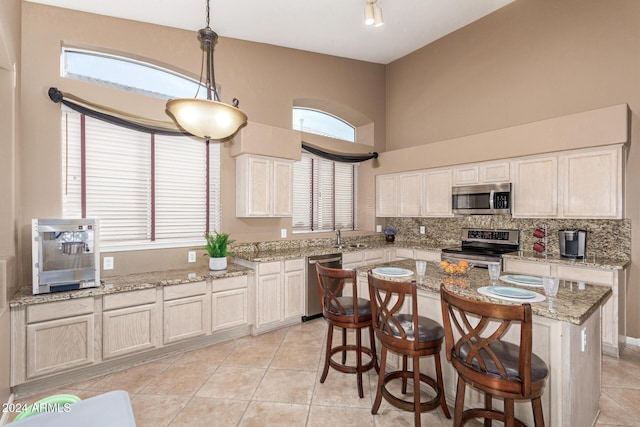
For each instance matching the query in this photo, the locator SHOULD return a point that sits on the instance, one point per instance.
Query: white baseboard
(633, 341)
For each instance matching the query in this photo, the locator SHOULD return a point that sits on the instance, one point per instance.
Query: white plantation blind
(181, 188)
(145, 190)
(324, 194)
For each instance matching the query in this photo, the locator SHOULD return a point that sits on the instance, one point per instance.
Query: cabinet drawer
(59, 309)
(587, 275)
(428, 255)
(377, 255)
(404, 253)
(228, 283)
(294, 265)
(352, 257)
(268, 268)
(523, 267)
(185, 290)
(129, 299)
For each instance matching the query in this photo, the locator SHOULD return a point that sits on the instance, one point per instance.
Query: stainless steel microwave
(486, 199)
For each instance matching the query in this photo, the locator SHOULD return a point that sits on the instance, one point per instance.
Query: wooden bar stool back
(484, 360)
(346, 312)
(409, 335)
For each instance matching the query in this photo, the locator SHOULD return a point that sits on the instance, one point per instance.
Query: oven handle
(491, 195)
(476, 262)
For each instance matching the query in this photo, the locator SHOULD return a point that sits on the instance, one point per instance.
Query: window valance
(338, 157)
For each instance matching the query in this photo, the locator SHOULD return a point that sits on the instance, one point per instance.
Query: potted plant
(390, 234)
(217, 250)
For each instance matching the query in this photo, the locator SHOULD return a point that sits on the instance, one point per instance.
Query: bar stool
(482, 359)
(409, 335)
(346, 312)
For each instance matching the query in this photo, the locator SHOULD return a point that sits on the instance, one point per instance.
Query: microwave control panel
(501, 201)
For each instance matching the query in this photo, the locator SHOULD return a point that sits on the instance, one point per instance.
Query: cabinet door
(58, 345)
(352, 260)
(437, 193)
(259, 186)
(269, 299)
(282, 191)
(294, 282)
(535, 187)
(184, 318)
(386, 195)
(495, 172)
(592, 184)
(129, 330)
(428, 255)
(410, 194)
(466, 175)
(229, 308)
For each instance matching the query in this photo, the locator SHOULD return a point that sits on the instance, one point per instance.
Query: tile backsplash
(606, 238)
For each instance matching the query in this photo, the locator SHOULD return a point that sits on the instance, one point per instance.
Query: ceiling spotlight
(373, 14)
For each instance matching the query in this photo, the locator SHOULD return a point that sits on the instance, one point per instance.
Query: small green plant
(217, 244)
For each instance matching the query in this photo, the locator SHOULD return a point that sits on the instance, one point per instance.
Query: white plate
(507, 291)
(486, 291)
(392, 271)
(516, 279)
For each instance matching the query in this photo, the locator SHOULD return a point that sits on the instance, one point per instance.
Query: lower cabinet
(63, 336)
(279, 293)
(186, 310)
(129, 323)
(613, 311)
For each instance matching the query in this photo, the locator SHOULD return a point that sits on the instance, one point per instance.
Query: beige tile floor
(273, 380)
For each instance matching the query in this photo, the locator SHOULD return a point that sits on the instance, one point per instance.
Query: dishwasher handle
(324, 261)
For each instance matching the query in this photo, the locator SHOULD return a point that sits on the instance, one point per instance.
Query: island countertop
(573, 304)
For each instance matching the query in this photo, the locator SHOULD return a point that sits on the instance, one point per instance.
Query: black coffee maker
(573, 243)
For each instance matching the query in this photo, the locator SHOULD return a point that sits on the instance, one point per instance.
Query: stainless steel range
(482, 247)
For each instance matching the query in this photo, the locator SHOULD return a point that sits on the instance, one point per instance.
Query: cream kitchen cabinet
(613, 311)
(186, 310)
(426, 255)
(131, 323)
(279, 294)
(592, 183)
(436, 201)
(410, 194)
(53, 337)
(263, 186)
(482, 173)
(535, 187)
(229, 303)
(387, 195)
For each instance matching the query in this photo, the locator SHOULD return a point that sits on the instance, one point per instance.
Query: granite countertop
(130, 282)
(571, 305)
(305, 251)
(592, 261)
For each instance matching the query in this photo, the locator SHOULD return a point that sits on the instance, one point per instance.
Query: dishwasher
(313, 307)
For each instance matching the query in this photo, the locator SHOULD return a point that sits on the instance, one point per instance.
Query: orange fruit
(463, 263)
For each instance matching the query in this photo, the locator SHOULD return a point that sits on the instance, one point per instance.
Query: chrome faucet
(338, 238)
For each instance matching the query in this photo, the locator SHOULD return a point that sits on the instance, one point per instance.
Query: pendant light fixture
(210, 118)
(373, 14)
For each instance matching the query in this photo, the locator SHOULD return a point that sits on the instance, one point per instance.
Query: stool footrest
(350, 369)
(408, 405)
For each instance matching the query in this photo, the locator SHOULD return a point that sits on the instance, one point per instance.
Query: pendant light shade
(207, 118)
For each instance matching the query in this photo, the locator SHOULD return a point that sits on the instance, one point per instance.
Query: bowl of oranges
(459, 268)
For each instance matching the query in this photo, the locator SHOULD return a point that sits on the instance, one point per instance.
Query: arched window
(146, 193)
(322, 123)
(127, 74)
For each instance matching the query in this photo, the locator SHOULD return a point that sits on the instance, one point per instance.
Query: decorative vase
(218, 263)
(390, 237)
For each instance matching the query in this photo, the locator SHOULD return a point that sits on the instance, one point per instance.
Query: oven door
(480, 261)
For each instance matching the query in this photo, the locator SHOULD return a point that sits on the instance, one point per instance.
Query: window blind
(146, 190)
(324, 194)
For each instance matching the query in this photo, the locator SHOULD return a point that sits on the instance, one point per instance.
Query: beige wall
(9, 135)
(530, 61)
(266, 79)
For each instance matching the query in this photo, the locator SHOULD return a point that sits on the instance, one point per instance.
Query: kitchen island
(566, 335)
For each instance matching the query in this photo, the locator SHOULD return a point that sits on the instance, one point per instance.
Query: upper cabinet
(535, 187)
(482, 173)
(592, 183)
(263, 186)
(387, 195)
(410, 194)
(437, 193)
